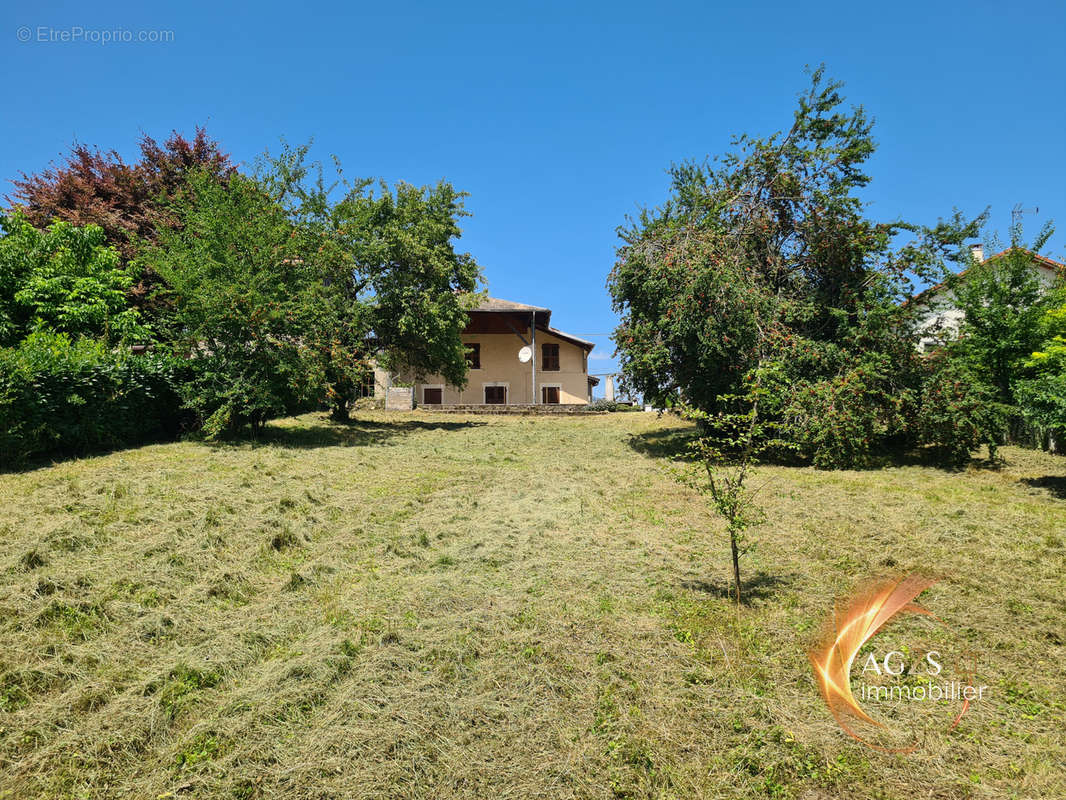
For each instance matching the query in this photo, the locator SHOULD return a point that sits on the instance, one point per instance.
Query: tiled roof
(496, 304)
(569, 337)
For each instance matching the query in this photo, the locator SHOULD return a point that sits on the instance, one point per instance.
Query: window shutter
(549, 357)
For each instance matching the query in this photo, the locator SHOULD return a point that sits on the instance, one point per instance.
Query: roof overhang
(568, 337)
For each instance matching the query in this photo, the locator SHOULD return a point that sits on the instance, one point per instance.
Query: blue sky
(559, 119)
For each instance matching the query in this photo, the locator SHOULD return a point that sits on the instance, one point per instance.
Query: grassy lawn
(431, 606)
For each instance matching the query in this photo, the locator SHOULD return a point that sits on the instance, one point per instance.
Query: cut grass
(423, 606)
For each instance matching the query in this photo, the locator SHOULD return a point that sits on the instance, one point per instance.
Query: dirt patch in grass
(409, 606)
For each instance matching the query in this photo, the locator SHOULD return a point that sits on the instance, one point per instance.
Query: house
(515, 358)
(939, 318)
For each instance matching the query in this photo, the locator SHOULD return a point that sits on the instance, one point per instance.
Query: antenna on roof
(1017, 212)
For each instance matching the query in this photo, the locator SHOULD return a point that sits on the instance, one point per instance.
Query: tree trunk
(339, 413)
(736, 564)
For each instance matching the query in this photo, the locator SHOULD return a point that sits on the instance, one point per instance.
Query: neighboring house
(940, 318)
(556, 371)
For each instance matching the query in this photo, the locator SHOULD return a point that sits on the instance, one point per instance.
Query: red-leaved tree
(93, 186)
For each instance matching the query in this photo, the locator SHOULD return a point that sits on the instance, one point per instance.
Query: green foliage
(1042, 394)
(395, 289)
(763, 259)
(1003, 302)
(958, 413)
(75, 396)
(243, 285)
(859, 397)
(837, 421)
(402, 242)
(273, 296)
(63, 279)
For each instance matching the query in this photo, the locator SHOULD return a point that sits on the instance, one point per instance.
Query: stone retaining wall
(527, 408)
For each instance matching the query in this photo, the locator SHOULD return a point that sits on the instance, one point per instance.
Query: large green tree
(285, 288)
(1003, 303)
(242, 284)
(401, 293)
(763, 269)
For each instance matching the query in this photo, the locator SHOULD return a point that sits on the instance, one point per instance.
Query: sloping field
(420, 606)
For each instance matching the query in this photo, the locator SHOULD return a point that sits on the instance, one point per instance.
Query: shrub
(59, 395)
(1043, 402)
(958, 413)
(840, 422)
(603, 404)
(1042, 394)
(246, 287)
(62, 279)
(833, 427)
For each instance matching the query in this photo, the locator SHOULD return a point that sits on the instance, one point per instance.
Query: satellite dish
(525, 354)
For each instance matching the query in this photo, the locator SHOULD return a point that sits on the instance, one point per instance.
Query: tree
(421, 288)
(243, 284)
(95, 187)
(733, 442)
(402, 299)
(1003, 303)
(776, 231)
(1042, 393)
(63, 279)
(958, 411)
(283, 296)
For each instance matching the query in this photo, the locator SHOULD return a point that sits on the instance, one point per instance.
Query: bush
(62, 279)
(958, 413)
(1043, 406)
(603, 404)
(840, 422)
(58, 395)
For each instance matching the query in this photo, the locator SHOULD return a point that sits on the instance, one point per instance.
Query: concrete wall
(381, 382)
(399, 398)
(500, 366)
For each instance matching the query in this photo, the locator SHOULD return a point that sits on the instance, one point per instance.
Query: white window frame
(506, 394)
(432, 386)
(543, 386)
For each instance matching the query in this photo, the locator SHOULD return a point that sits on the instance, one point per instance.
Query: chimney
(978, 252)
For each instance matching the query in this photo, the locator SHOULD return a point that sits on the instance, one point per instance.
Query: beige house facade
(515, 358)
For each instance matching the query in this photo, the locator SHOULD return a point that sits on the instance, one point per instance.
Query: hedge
(75, 397)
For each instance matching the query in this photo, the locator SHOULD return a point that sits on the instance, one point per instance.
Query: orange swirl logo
(856, 624)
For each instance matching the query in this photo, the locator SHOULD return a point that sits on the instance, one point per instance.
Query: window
(432, 395)
(549, 357)
(366, 385)
(473, 356)
(549, 395)
(496, 395)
